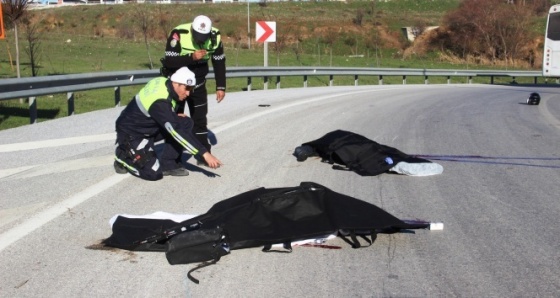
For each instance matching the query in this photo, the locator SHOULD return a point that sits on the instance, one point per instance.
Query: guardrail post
(535, 80)
(380, 80)
(404, 80)
(331, 80)
(470, 79)
(491, 80)
(304, 81)
(425, 80)
(70, 100)
(355, 80)
(448, 80)
(32, 110)
(278, 82)
(557, 80)
(248, 83)
(265, 83)
(117, 96)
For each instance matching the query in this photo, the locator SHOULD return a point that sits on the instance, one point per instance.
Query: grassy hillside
(108, 37)
(98, 38)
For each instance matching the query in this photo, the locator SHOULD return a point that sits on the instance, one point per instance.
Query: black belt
(198, 85)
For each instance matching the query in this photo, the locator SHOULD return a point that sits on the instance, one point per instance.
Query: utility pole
(248, 28)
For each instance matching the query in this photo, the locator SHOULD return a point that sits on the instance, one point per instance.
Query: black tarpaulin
(262, 217)
(356, 152)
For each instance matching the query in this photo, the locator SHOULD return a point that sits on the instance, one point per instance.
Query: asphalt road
(498, 198)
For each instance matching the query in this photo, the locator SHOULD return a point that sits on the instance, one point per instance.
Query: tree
(512, 34)
(329, 38)
(33, 45)
(236, 35)
(164, 21)
(491, 29)
(282, 40)
(143, 16)
(359, 17)
(372, 42)
(14, 10)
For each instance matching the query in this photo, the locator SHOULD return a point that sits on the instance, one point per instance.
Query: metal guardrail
(32, 87)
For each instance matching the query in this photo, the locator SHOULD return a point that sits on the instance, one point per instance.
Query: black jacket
(173, 60)
(133, 123)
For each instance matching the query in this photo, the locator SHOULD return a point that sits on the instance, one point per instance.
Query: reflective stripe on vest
(155, 89)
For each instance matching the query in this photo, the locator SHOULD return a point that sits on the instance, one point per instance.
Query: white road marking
(9, 215)
(38, 220)
(57, 142)
(13, 171)
(56, 167)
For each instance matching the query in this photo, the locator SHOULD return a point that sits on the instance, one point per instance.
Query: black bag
(197, 246)
(356, 152)
(140, 234)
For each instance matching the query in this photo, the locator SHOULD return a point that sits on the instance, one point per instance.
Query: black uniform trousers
(141, 157)
(198, 111)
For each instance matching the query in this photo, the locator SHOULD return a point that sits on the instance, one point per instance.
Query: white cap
(202, 24)
(184, 76)
(201, 27)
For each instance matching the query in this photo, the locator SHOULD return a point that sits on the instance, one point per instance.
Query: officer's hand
(220, 94)
(199, 54)
(211, 160)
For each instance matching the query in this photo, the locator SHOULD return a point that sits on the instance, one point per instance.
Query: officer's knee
(186, 122)
(151, 171)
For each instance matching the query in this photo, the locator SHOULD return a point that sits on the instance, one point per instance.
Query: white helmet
(201, 27)
(184, 76)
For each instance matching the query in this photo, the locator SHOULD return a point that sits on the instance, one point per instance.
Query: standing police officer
(150, 117)
(192, 45)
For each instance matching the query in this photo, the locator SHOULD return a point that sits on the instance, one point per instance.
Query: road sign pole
(265, 54)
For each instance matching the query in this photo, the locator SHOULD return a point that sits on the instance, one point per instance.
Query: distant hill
(84, 38)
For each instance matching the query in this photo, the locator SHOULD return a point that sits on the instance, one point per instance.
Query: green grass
(106, 37)
(100, 38)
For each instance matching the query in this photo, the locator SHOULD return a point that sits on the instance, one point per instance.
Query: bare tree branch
(33, 45)
(143, 17)
(14, 10)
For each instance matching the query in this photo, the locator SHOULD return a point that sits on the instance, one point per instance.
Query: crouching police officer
(151, 117)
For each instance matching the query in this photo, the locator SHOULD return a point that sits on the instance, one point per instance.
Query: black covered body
(356, 152)
(262, 217)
